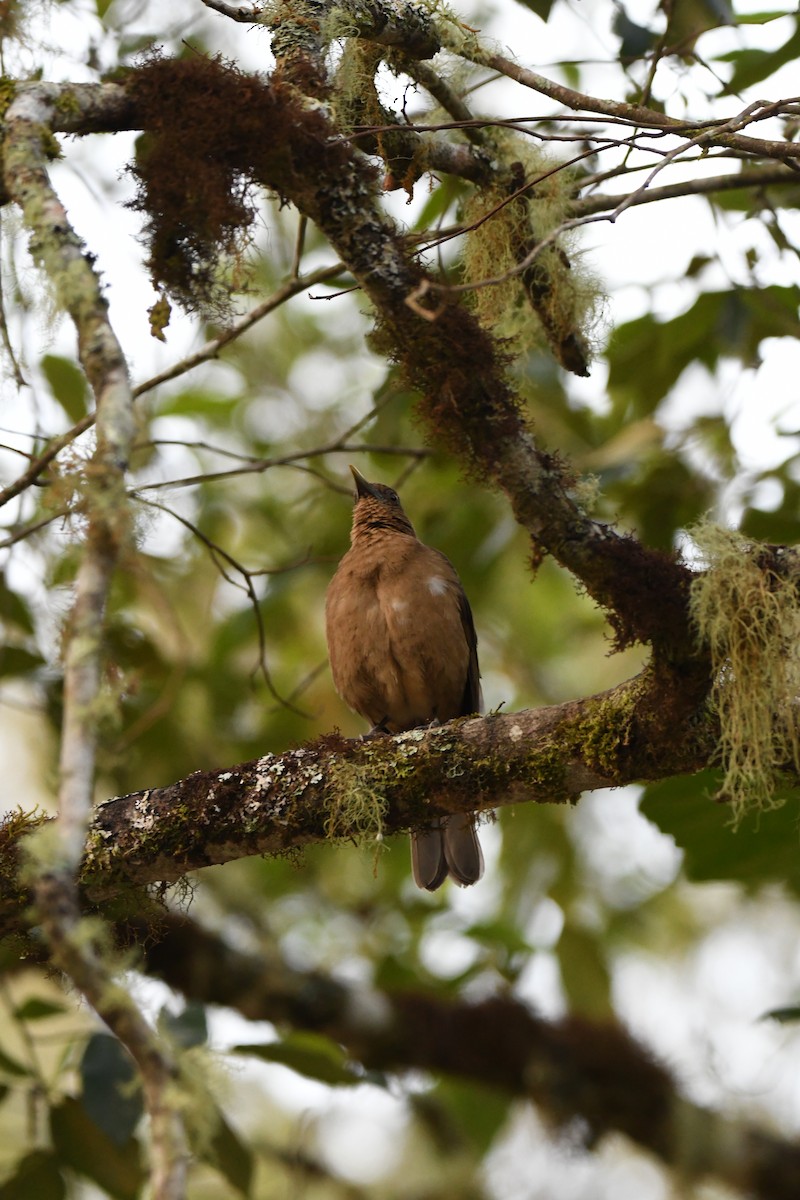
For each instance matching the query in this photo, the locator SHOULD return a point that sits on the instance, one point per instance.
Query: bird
(404, 654)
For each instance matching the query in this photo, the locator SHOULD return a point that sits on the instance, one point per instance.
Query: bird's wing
(473, 696)
(472, 701)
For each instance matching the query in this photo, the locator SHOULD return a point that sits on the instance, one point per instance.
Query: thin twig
(218, 557)
(259, 466)
(204, 354)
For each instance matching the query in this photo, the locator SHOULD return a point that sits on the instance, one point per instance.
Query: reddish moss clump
(212, 133)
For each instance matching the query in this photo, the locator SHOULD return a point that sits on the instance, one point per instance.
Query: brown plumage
(404, 653)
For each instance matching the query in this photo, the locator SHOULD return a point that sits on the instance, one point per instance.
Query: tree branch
(341, 789)
(55, 862)
(639, 115)
(573, 1069)
(735, 181)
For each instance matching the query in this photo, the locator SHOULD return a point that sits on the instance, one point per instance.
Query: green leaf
(761, 850)
(16, 660)
(635, 40)
(37, 1177)
(109, 1093)
(11, 1067)
(781, 526)
(213, 407)
(647, 356)
(187, 1028)
(83, 1146)
(68, 385)
(753, 66)
(764, 18)
(36, 1009)
(542, 8)
(13, 609)
(783, 1016)
(437, 204)
(477, 1113)
(310, 1054)
(231, 1157)
(584, 973)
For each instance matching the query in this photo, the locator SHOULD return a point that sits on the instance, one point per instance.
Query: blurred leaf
(36, 1009)
(764, 848)
(37, 1177)
(782, 525)
(659, 495)
(584, 973)
(15, 660)
(211, 406)
(187, 1028)
(764, 18)
(443, 197)
(688, 19)
(110, 1094)
(11, 1067)
(753, 66)
(542, 8)
(309, 1054)
(648, 356)
(13, 609)
(783, 1016)
(68, 385)
(478, 1113)
(231, 1157)
(635, 40)
(757, 199)
(82, 1145)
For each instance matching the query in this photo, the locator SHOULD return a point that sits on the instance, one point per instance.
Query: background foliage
(647, 906)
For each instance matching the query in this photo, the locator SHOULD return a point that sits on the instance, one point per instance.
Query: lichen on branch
(747, 613)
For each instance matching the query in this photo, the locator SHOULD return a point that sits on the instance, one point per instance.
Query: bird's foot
(378, 730)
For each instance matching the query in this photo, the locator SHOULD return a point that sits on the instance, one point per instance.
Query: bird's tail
(449, 847)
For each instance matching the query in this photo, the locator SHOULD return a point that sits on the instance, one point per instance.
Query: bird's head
(377, 506)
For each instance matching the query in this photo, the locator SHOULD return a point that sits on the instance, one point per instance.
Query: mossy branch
(582, 1075)
(359, 789)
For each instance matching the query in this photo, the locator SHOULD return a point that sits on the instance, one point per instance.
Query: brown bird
(403, 653)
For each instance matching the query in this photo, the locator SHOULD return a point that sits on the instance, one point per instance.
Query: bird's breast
(396, 641)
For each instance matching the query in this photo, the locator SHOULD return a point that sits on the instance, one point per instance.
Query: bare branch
(742, 180)
(639, 115)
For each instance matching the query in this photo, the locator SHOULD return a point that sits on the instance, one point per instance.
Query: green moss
(67, 103)
(554, 300)
(359, 805)
(748, 617)
(604, 735)
(8, 90)
(51, 147)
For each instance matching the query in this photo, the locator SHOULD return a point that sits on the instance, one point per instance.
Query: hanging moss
(552, 300)
(747, 614)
